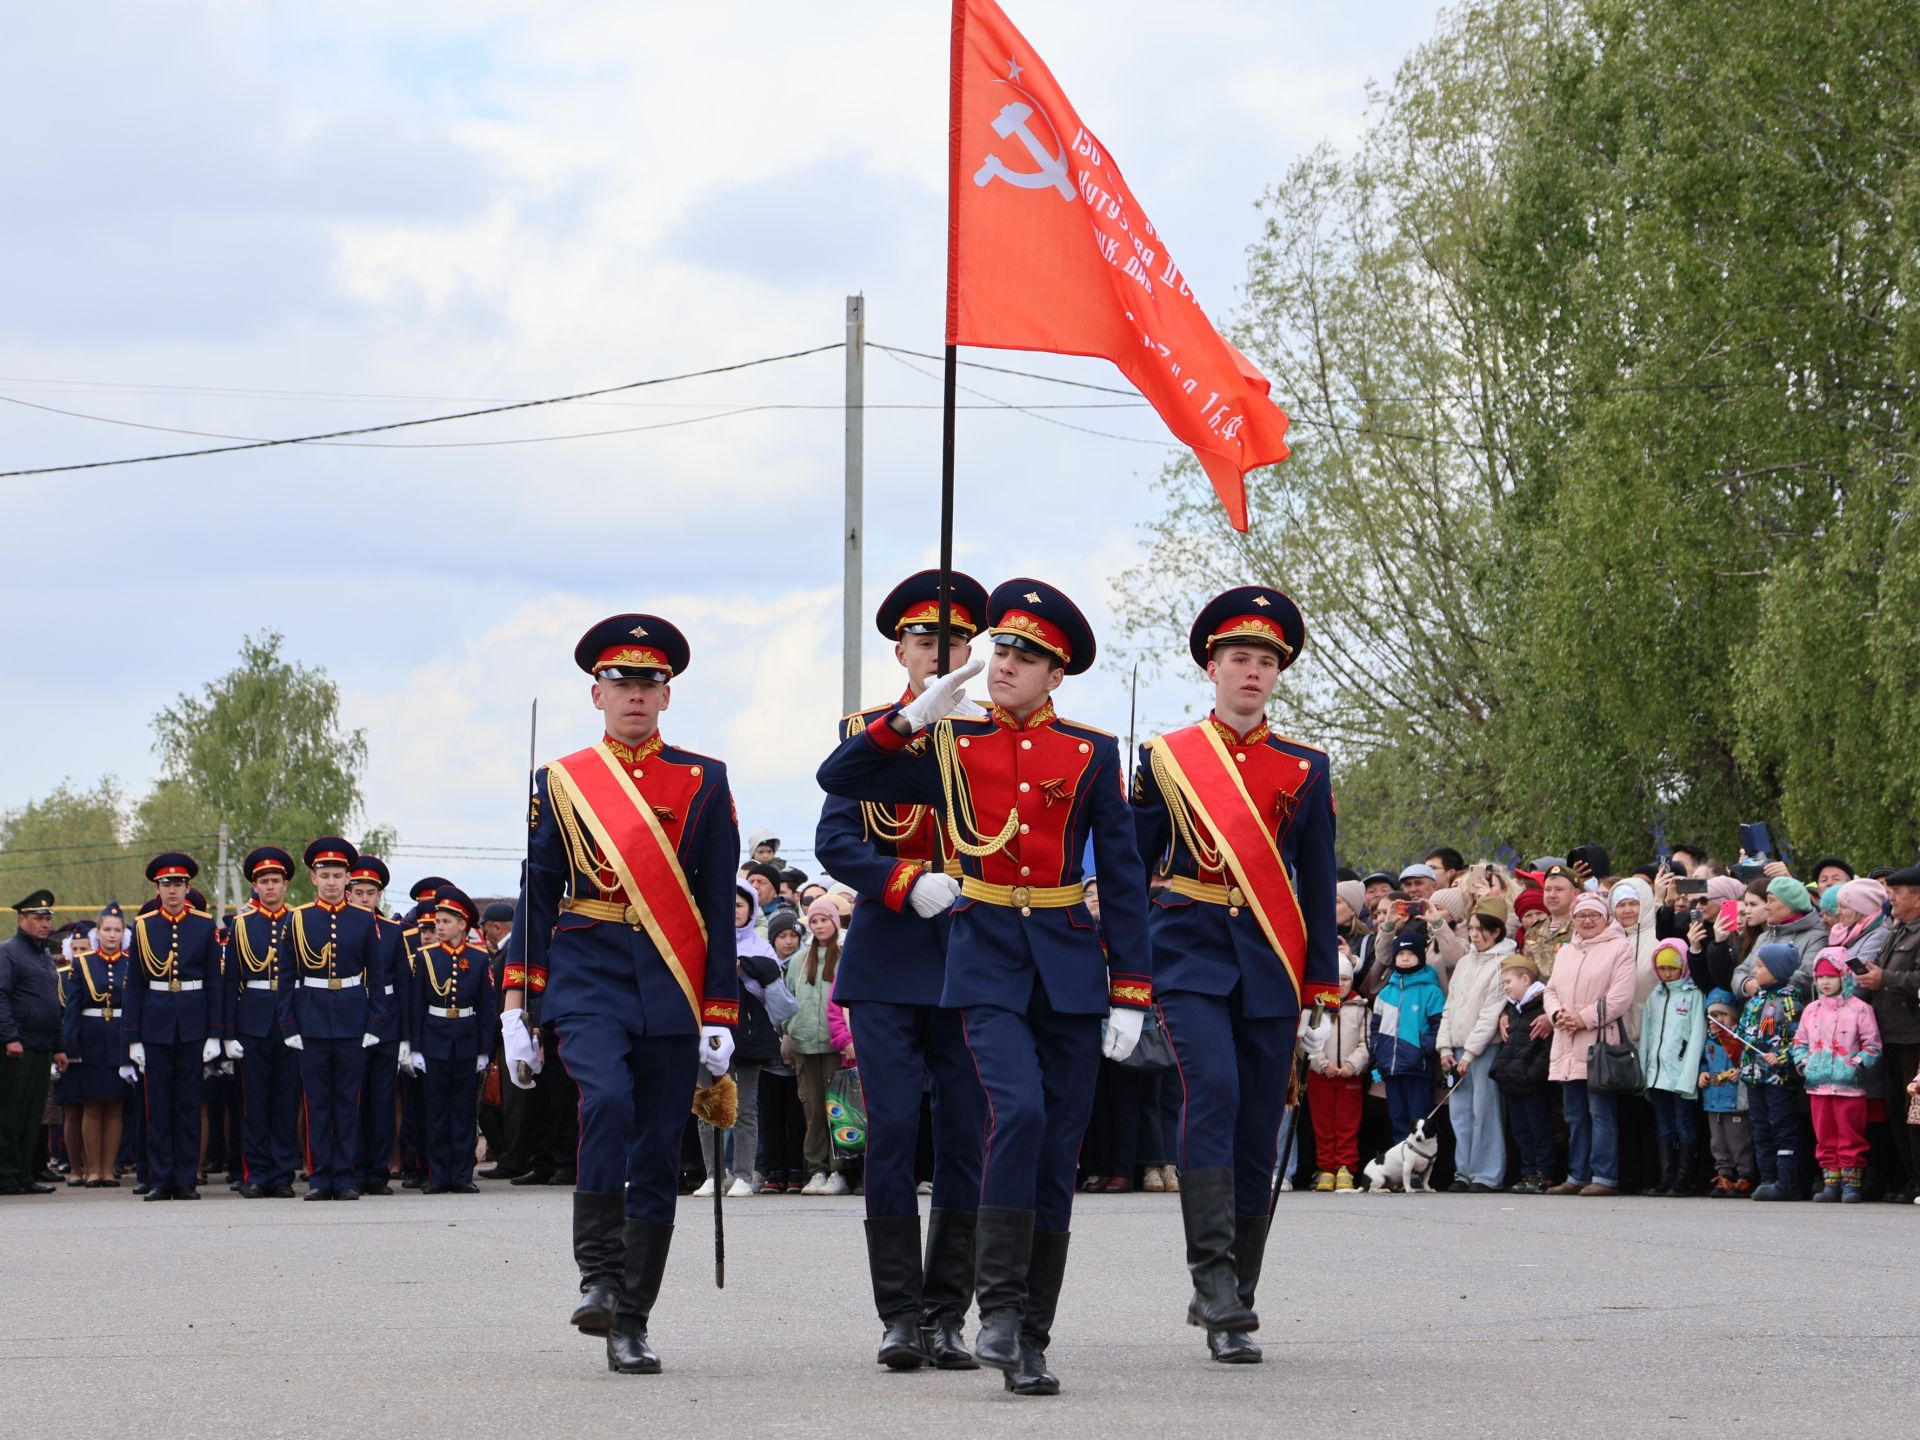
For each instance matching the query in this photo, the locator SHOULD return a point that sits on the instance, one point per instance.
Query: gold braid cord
(953, 784)
(98, 996)
(586, 858)
(1203, 850)
(310, 958)
(157, 968)
(245, 947)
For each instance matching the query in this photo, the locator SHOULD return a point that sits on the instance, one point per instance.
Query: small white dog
(1407, 1165)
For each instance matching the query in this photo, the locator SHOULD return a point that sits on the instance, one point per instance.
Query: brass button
(637, 772)
(1025, 911)
(1026, 869)
(694, 770)
(1025, 828)
(1233, 910)
(1305, 766)
(1026, 744)
(1021, 895)
(1241, 756)
(1025, 787)
(1085, 747)
(965, 742)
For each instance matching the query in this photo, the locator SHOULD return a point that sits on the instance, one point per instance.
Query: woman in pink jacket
(1597, 964)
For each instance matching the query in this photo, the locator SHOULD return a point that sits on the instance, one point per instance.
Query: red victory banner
(1048, 250)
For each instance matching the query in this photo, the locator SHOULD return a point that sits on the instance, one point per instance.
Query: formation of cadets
(972, 963)
(339, 1023)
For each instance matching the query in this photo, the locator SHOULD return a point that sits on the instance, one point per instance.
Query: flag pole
(957, 53)
(946, 510)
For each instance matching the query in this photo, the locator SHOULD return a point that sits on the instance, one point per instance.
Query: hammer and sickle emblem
(1011, 121)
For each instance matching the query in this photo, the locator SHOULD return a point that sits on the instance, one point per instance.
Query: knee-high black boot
(1236, 1347)
(1044, 1276)
(946, 1291)
(893, 1260)
(1003, 1253)
(599, 1251)
(628, 1352)
(1206, 1205)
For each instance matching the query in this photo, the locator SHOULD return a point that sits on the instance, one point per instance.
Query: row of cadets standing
(260, 974)
(1026, 966)
(416, 931)
(175, 1022)
(337, 1004)
(1241, 821)
(627, 908)
(452, 1032)
(367, 881)
(892, 971)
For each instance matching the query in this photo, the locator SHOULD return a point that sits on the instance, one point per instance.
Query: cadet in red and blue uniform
(259, 985)
(454, 1012)
(334, 1011)
(892, 970)
(416, 930)
(367, 882)
(175, 1018)
(94, 1038)
(1026, 966)
(640, 986)
(1241, 821)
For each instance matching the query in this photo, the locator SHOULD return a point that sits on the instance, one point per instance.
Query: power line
(407, 424)
(897, 359)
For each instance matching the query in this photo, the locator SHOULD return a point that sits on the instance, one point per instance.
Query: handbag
(847, 1114)
(1913, 1110)
(1613, 1066)
(1153, 1052)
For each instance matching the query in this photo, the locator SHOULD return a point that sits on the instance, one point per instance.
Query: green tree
(73, 843)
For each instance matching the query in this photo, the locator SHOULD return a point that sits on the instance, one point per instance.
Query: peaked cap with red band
(263, 859)
(633, 647)
(913, 606)
(1032, 615)
(1249, 615)
(331, 850)
(172, 865)
(371, 869)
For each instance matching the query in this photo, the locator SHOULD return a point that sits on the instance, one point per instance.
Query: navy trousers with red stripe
(330, 1072)
(1038, 1071)
(173, 1115)
(1233, 1073)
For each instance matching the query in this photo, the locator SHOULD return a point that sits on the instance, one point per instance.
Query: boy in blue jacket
(1406, 1031)
(1724, 1101)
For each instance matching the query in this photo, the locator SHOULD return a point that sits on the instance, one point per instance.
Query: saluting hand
(940, 698)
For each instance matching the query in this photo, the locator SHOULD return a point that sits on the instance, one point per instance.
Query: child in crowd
(1837, 1042)
(1767, 1024)
(1337, 1087)
(783, 1122)
(1406, 1030)
(1520, 1070)
(807, 1043)
(1673, 1033)
(1724, 1100)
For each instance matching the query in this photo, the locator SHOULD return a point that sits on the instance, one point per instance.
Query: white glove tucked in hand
(129, 1074)
(941, 696)
(209, 1052)
(480, 1064)
(517, 1041)
(368, 1040)
(419, 1063)
(1313, 1038)
(406, 1057)
(235, 1050)
(1123, 1032)
(137, 1054)
(294, 1042)
(933, 894)
(716, 1048)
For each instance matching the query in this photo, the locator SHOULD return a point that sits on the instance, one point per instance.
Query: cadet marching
(973, 966)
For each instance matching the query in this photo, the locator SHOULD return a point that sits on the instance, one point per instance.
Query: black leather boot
(1682, 1177)
(628, 1352)
(1236, 1347)
(1003, 1251)
(893, 1259)
(1206, 1207)
(946, 1292)
(1663, 1180)
(1044, 1275)
(598, 1250)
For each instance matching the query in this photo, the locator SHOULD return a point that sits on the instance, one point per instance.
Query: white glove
(137, 1053)
(235, 1050)
(294, 1042)
(368, 1040)
(406, 1056)
(129, 1074)
(941, 696)
(209, 1052)
(480, 1064)
(933, 894)
(419, 1063)
(518, 1041)
(1313, 1038)
(1123, 1032)
(716, 1049)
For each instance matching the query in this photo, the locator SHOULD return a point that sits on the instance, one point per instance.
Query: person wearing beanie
(807, 1041)
(1673, 1034)
(1723, 1099)
(1337, 1088)
(1406, 1030)
(1767, 1025)
(1792, 918)
(1446, 917)
(1520, 1069)
(1861, 925)
(1469, 1048)
(1836, 1044)
(1593, 971)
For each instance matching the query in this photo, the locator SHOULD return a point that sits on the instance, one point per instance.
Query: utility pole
(850, 607)
(220, 889)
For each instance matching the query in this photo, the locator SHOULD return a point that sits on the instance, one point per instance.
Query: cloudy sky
(254, 220)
